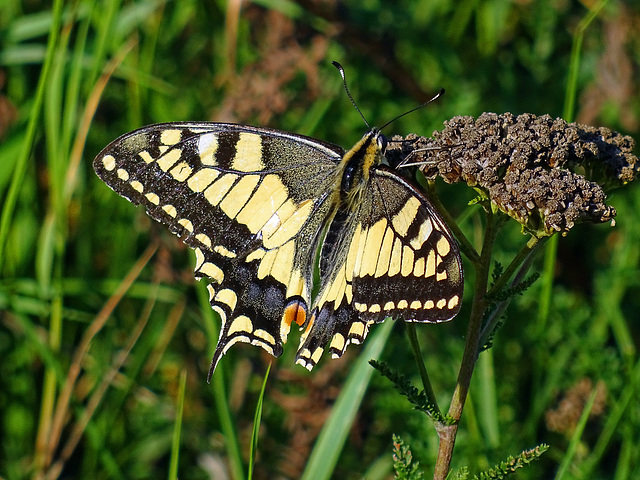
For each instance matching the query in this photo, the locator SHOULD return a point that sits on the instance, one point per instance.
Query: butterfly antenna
(435, 97)
(344, 82)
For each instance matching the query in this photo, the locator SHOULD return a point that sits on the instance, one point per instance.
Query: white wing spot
(186, 223)
(171, 210)
(123, 174)
(137, 186)
(453, 302)
(207, 148)
(204, 239)
(109, 162)
(170, 137)
(416, 305)
(153, 198)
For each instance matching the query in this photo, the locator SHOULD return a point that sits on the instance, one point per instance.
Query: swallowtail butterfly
(259, 206)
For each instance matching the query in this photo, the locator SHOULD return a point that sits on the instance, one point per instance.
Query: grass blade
(256, 424)
(34, 117)
(327, 449)
(577, 435)
(227, 423)
(175, 443)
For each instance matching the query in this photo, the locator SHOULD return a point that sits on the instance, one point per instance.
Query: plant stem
(523, 261)
(465, 245)
(521, 256)
(426, 383)
(447, 433)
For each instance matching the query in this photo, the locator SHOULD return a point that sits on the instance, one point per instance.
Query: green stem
(447, 433)
(465, 245)
(521, 256)
(426, 383)
(524, 259)
(574, 62)
(547, 277)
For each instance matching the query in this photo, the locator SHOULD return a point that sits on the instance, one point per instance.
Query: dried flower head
(546, 173)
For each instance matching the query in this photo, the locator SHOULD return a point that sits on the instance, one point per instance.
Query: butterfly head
(381, 140)
(357, 163)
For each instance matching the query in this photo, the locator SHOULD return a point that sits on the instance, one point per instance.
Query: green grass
(105, 338)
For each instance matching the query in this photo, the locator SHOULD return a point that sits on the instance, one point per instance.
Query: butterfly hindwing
(394, 258)
(410, 265)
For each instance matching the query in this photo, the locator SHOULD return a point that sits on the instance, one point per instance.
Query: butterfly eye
(382, 142)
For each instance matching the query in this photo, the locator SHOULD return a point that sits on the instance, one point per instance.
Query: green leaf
(403, 464)
(417, 398)
(510, 465)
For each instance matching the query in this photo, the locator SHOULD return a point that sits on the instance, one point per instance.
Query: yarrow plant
(545, 173)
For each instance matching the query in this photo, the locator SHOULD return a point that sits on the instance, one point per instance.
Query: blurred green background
(91, 389)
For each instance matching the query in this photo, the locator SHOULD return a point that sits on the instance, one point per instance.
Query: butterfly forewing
(254, 204)
(235, 195)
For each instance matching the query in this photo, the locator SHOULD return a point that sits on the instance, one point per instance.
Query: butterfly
(264, 209)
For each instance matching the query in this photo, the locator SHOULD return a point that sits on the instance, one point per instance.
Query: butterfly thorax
(356, 166)
(354, 174)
